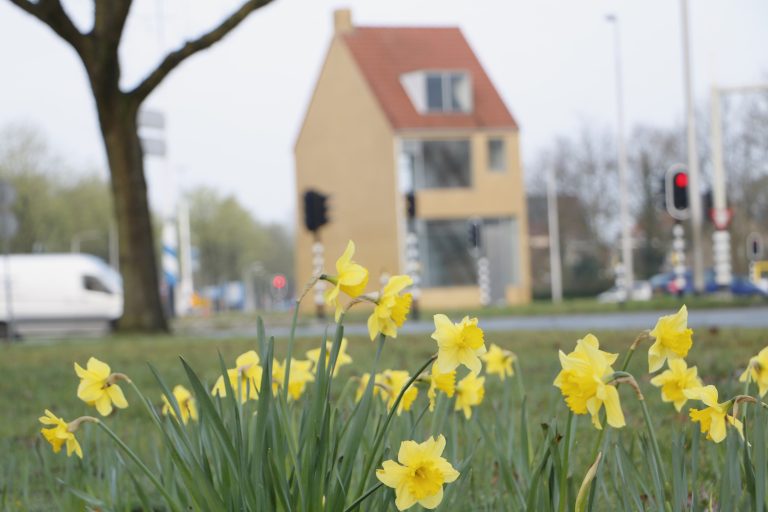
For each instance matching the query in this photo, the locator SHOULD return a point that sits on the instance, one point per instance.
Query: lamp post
(694, 188)
(626, 235)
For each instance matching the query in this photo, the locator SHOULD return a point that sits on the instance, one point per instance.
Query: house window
(430, 164)
(496, 158)
(448, 92)
(445, 253)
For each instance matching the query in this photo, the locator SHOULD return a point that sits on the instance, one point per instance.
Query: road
(753, 318)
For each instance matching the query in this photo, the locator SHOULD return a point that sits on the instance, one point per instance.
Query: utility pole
(555, 265)
(626, 228)
(693, 158)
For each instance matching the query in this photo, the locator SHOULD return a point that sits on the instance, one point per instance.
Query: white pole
(626, 228)
(694, 189)
(721, 237)
(555, 265)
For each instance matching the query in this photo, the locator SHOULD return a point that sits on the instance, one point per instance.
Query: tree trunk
(138, 265)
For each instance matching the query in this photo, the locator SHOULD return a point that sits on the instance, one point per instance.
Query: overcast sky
(234, 111)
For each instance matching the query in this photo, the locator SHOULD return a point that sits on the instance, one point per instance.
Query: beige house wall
(345, 149)
(492, 194)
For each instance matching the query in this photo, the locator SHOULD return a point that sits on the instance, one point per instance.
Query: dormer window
(448, 92)
(434, 92)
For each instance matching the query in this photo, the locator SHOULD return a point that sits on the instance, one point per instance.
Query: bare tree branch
(53, 14)
(173, 59)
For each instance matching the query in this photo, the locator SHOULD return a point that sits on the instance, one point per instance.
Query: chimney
(342, 21)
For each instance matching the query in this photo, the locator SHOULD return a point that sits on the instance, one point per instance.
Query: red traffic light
(681, 180)
(279, 281)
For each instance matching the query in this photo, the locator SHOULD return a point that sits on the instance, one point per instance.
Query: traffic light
(315, 210)
(475, 234)
(410, 205)
(676, 192)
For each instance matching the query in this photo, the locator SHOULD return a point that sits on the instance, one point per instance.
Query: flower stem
(380, 436)
(291, 339)
(564, 468)
(141, 465)
(654, 441)
(362, 498)
(632, 348)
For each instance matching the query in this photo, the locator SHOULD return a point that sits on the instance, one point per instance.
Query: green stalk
(362, 498)
(380, 436)
(632, 349)
(519, 378)
(654, 441)
(290, 347)
(141, 466)
(564, 467)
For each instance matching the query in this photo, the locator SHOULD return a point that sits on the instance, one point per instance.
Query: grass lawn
(37, 375)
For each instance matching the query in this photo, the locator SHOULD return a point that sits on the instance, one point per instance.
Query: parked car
(741, 286)
(641, 291)
(58, 293)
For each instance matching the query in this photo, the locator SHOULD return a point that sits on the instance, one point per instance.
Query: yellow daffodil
(757, 371)
(58, 433)
(247, 363)
(713, 418)
(98, 386)
(350, 278)
(244, 387)
(673, 339)
(458, 344)
(469, 393)
(245, 378)
(342, 359)
(675, 380)
(420, 474)
(391, 308)
(445, 382)
(392, 382)
(582, 382)
(499, 361)
(301, 373)
(364, 378)
(186, 403)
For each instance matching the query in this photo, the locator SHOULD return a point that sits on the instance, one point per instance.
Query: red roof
(384, 54)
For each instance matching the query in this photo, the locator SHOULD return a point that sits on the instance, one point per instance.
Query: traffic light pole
(626, 228)
(318, 263)
(721, 237)
(693, 158)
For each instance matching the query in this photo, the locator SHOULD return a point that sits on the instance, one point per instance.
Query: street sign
(754, 247)
(721, 217)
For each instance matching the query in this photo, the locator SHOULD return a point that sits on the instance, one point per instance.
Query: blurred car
(641, 291)
(58, 293)
(741, 286)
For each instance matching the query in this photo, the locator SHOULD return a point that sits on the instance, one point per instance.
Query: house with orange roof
(419, 158)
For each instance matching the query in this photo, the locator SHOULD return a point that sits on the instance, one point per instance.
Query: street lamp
(626, 240)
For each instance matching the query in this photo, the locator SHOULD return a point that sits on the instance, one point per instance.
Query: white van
(58, 293)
